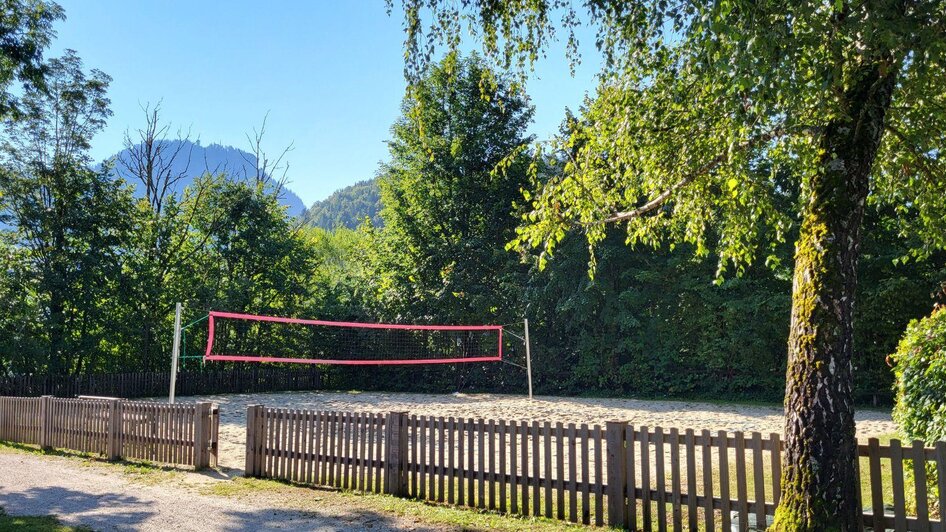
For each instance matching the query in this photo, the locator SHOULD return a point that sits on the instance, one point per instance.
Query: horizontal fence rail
(184, 434)
(156, 383)
(620, 475)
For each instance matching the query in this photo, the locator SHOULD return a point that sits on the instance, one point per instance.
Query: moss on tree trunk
(818, 478)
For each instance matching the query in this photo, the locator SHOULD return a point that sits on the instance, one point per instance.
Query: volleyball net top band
(234, 337)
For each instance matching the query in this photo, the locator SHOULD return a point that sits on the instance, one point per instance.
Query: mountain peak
(193, 160)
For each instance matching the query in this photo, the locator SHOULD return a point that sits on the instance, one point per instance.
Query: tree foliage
(447, 202)
(25, 33)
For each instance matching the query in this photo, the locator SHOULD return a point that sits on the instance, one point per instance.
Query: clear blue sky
(330, 74)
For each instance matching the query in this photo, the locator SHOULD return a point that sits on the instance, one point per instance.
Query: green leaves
(458, 164)
(711, 110)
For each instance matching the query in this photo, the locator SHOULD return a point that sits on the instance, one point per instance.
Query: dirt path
(667, 414)
(102, 497)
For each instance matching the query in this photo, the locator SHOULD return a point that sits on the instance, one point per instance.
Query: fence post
(617, 472)
(114, 447)
(395, 455)
(201, 435)
(45, 416)
(252, 447)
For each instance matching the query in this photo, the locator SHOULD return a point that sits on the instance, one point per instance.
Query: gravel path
(101, 497)
(667, 414)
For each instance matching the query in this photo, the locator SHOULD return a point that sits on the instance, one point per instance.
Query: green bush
(920, 372)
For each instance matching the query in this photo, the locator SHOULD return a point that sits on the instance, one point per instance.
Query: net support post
(615, 446)
(395, 456)
(175, 351)
(528, 356)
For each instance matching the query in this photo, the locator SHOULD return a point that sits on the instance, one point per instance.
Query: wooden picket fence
(619, 475)
(183, 433)
(321, 448)
(248, 379)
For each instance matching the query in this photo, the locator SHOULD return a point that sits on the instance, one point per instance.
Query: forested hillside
(347, 207)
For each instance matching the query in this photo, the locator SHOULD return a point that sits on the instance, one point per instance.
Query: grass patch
(240, 486)
(424, 513)
(36, 523)
(148, 474)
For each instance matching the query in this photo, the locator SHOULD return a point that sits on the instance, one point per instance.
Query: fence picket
(547, 463)
(470, 474)
(691, 479)
(896, 474)
(585, 480)
(599, 477)
(513, 465)
(941, 481)
(646, 514)
(454, 432)
(502, 465)
(630, 435)
(524, 441)
(723, 457)
(560, 471)
(876, 487)
(741, 489)
(491, 469)
(442, 465)
(536, 470)
(757, 478)
(919, 483)
(675, 498)
(661, 479)
(572, 475)
(776, 461)
(706, 451)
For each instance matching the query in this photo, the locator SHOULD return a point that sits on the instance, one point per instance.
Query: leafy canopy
(701, 106)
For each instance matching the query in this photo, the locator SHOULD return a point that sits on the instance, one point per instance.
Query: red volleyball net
(233, 337)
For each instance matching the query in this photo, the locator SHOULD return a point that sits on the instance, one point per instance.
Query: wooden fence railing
(182, 433)
(156, 383)
(621, 475)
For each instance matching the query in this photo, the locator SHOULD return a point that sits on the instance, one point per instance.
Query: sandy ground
(667, 414)
(103, 498)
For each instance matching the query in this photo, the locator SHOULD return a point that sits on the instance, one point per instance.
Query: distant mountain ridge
(237, 163)
(347, 207)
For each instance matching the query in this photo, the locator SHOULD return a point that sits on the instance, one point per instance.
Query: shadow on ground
(118, 511)
(125, 511)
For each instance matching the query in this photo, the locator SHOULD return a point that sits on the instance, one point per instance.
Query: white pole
(528, 358)
(175, 351)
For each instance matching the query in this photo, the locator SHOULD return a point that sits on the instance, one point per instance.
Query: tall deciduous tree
(848, 98)
(447, 207)
(67, 220)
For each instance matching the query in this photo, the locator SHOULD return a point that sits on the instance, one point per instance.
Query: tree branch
(661, 198)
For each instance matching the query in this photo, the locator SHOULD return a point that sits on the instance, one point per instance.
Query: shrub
(920, 372)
